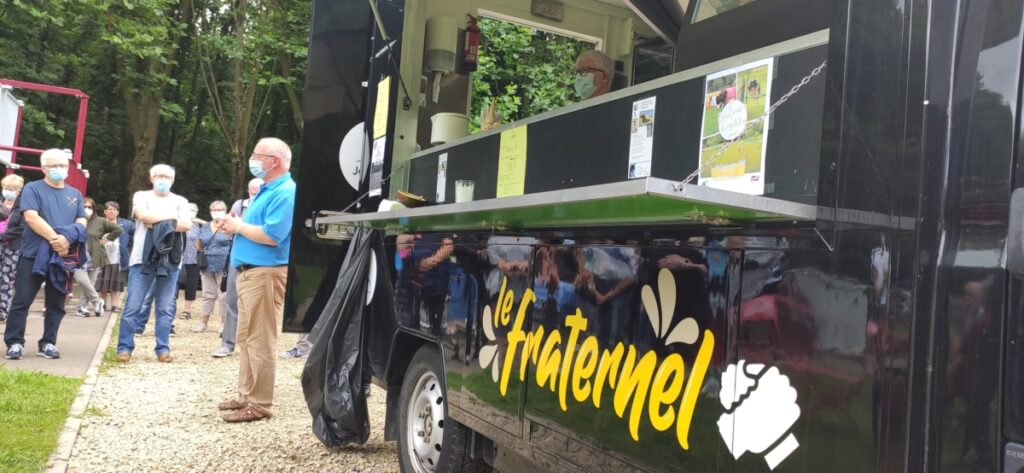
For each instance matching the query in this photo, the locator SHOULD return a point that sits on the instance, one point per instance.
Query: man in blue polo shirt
(260, 258)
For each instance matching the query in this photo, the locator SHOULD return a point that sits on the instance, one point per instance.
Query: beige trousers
(260, 299)
(212, 297)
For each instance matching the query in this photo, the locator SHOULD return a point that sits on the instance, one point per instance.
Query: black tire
(423, 382)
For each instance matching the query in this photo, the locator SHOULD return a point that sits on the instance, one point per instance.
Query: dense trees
(524, 70)
(192, 83)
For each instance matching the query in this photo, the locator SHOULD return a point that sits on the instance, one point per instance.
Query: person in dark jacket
(59, 268)
(124, 244)
(10, 241)
(44, 205)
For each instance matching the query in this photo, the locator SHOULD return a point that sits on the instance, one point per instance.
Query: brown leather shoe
(124, 357)
(231, 405)
(165, 358)
(247, 414)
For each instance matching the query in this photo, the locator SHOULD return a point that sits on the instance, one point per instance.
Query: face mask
(584, 85)
(57, 174)
(162, 186)
(218, 214)
(10, 195)
(88, 213)
(256, 168)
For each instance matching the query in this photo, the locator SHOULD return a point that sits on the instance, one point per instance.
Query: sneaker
(83, 311)
(99, 308)
(199, 328)
(49, 351)
(223, 352)
(293, 353)
(15, 352)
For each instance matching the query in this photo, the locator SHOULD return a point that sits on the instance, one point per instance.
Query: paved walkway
(76, 340)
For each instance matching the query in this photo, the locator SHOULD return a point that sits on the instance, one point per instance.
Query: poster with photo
(733, 140)
(641, 138)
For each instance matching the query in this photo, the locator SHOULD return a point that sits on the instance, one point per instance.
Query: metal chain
(796, 88)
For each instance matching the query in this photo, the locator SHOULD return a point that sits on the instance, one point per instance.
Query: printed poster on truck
(641, 138)
(733, 133)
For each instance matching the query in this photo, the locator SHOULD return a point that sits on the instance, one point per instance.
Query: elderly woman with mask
(10, 239)
(216, 246)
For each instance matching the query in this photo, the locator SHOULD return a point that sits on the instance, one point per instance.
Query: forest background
(190, 83)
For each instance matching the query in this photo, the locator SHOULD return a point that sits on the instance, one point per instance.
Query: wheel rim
(424, 424)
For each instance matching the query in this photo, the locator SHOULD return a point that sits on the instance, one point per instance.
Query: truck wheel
(428, 441)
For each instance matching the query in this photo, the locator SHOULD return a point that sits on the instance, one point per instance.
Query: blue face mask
(584, 85)
(256, 168)
(162, 186)
(10, 195)
(57, 174)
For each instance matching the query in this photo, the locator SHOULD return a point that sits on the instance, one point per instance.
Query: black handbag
(201, 260)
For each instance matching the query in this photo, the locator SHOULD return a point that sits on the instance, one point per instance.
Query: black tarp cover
(332, 378)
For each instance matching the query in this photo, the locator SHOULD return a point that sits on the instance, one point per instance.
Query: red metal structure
(76, 176)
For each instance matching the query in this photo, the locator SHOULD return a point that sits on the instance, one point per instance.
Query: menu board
(512, 162)
(380, 112)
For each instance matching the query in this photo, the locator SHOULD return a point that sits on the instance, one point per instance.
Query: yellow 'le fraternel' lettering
(515, 335)
(640, 383)
(583, 369)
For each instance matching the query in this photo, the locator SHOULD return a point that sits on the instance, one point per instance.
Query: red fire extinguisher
(472, 44)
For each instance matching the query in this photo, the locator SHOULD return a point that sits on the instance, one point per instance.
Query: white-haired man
(229, 330)
(260, 259)
(594, 74)
(161, 218)
(49, 208)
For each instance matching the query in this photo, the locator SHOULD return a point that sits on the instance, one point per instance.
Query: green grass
(110, 354)
(33, 406)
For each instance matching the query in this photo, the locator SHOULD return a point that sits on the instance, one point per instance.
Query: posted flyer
(641, 138)
(733, 142)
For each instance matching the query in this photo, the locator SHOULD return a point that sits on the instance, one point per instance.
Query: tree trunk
(240, 174)
(144, 134)
(293, 98)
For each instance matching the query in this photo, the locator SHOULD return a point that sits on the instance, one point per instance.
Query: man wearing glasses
(46, 206)
(158, 213)
(260, 259)
(594, 74)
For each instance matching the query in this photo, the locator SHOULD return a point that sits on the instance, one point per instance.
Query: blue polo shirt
(271, 210)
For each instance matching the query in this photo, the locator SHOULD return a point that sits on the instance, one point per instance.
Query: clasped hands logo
(760, 403)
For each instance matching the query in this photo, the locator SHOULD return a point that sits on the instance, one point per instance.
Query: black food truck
(786, 239)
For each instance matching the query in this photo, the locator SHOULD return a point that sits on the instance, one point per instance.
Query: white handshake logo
(760, 408)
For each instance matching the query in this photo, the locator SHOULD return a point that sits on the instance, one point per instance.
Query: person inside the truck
(594, 73)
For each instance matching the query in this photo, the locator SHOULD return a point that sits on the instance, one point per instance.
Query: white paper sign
(377, 165)
(442, 176)
(641, 138)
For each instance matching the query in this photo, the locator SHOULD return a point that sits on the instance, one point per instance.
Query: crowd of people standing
(52, 237)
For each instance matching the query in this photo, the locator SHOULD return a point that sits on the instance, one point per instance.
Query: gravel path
(148, 416)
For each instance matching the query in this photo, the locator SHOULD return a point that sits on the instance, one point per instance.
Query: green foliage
(526, 71)
(128, 53)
